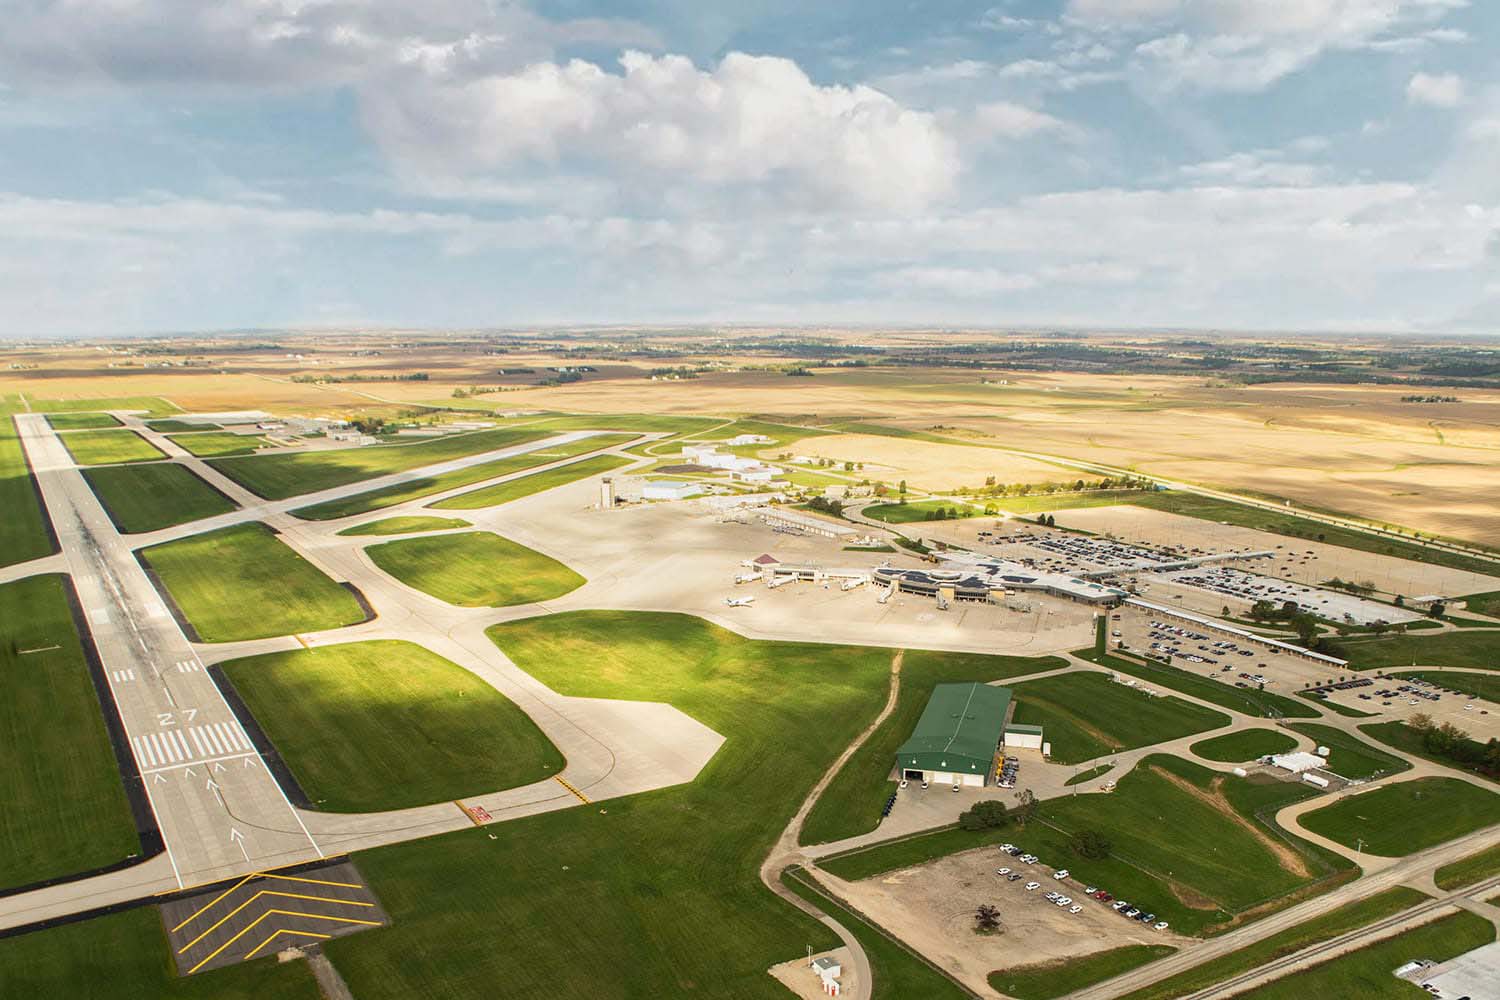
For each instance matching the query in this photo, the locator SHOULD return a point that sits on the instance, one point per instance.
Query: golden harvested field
(927, 465)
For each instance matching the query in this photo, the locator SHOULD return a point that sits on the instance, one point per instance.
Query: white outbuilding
(1297, 762)
(669, 489)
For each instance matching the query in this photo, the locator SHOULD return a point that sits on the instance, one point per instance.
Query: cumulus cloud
(750, 120)
(1440, 90)
(1254, 169)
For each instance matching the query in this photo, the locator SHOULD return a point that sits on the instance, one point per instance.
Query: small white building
(756, 474)
(741, 440)
(828, 970)
(669, 489)
(1297, 762)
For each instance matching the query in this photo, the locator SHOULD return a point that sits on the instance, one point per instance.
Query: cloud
(1254, 169)
(968, 282)
(1441, 90)
(755, 121)
(1002, 119)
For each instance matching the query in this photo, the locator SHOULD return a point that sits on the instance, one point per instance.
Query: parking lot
(1401, 698)
(1193, 648)
(931, 908)
(1247, 588)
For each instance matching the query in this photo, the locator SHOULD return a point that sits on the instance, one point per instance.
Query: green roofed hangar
(958, 737)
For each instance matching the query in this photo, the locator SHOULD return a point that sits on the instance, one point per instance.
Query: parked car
(1033, 886)
(1163, 925)
(1002, 871)
(1075, 908)
(1060, 874)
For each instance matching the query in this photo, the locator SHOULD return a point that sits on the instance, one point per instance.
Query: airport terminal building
(957, 739)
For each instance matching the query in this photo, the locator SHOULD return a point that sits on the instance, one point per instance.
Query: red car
(1103, 896)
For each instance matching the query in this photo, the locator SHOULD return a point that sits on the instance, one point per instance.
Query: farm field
(81, 421)
(242, 582)
(369, 726)
(490, 496)
(1349, 756)
(151, 406)
(898, 973)
(406, 525)
(217, 444)
(1366, 972)
(1468, 870)
(475, 569)
(786, 710)
(156, 495)
(109, 446)
(850, 805)
(1054, 979)
(1248, 701)
(1245, 745)
(44, 675)
(1293, 939)
(1065, 500)
(931, 464)
(128, 951)
(1395, 820)
(1087, 715)
(916, 510)
(362, 503)
(1223, 862)
(24, 530)
(1474, 649)
(279, 476)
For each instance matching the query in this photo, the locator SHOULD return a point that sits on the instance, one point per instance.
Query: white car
(1075, 908)
(1033, 886)
(1064, 901)
(1002, 871)
(1160, 926)
(1007, 847)
(1060, 874)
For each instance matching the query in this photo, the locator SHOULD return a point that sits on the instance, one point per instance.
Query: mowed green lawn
(1247, 744)
(1054, 979)
(81, 421)
(1349, 756)
(1366, 972)
(170, 426)
(125, 956)
(475, 569)
(1470, 869)
(671, 877)
(159, 495)
(242, 582)
(151, 406)
(65, 809)
(1247, 701)
(23, 526)
(109, 447)
(1398, 819)
(851, 803)
(368, 726)
(406, 525)
(1087, 715)
(415, 489)
(1037, 503)
(1186, 844)
(1474, 649)
(916, 510)
(491, 496)
(281, 475)
(217, 444)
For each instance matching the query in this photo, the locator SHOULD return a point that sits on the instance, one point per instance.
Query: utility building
(957, 737)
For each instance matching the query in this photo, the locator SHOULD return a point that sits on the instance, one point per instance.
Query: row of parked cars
(1008, 771)
(1062, 901)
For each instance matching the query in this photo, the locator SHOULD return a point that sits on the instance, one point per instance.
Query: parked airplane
(739, 602)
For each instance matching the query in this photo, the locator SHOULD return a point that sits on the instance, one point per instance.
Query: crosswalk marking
(189, 666)
(203, 742)
(123, 676)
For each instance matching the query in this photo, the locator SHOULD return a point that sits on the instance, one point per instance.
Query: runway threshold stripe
(142, 751)
(187, 751)
(233, 737)
(198, 742)
(157, 748)
(208, 737)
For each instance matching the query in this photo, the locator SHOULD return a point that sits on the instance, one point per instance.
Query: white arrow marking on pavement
(218, 767)
(191, 773)
(159, 778)
(239, 838)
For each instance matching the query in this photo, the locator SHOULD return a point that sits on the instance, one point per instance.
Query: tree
(985, 815)
(1025, 806)
(1090, 844)
(986, 919)
(902, 488)
(1437, 609)
(1420, 721)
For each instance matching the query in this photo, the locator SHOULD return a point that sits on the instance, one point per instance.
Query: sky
(171, 165)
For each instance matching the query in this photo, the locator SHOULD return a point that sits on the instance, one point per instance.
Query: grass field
(1087, 715)
(23, 529)
(362, 503)
(108, 447)
(369, 726)
(65, 809)
(125, 956)
(1054, 979)
(1247, 744)
(1336, 708)
(170, 426)
(1083, 777)
(242, 582)
(640, 423)
(1247, 701)
(217, 444)
(159, 495)
(1475, 649)
(1400, 736)
(1400, 819)
(897, 972)
(490, 496)
(1064, 501)
(278, 476)
(406, 525)
(475, 569)
(1366, 973)
(1348, 756)
(1211, 509)
(662, 872)
(81, 421)
(851, 803)
(151, 406)
(1466, 871)
(915, 510)
(1293, 939)
(1484, 604)
(1186, 844)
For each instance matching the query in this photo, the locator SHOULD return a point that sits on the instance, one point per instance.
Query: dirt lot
(1323, 562)
(932, 907)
